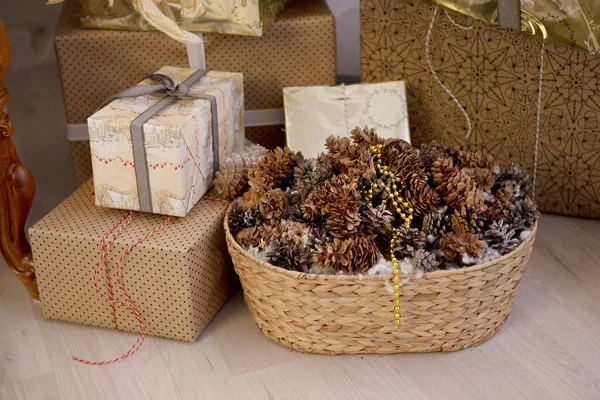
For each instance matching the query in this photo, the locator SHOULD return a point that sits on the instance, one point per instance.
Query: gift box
(239, 17)
(313, 113)
(177, 278)
(158, 152)
(492, 77)
(299, 49)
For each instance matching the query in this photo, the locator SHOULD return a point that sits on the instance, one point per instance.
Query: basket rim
(365, 277)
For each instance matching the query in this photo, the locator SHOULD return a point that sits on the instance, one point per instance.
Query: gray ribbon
(173, 92)
(509, 14)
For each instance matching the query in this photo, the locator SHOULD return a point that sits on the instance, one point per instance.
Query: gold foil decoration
(178, 18)
(569, 22)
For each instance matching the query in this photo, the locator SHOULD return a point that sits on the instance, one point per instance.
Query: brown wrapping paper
(494, 74)
(297, 50)
(178, 279)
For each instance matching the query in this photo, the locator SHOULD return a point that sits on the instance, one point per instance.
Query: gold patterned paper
(494, 74)
(178, 143)
(315, 112)
(238, 17)
(569, 22)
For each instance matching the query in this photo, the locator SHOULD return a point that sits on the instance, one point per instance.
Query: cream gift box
(171, 166)
(313, 113)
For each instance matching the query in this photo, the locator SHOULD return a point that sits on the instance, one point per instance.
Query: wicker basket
(345, 314)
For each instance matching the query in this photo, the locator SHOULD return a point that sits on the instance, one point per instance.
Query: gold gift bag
(493, 78)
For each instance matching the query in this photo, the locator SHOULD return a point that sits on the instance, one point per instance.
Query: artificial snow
(524, 235)
(381, 267)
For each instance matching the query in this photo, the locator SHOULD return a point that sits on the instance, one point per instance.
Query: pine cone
(252, 154)
(423, 199)
(498, 207)
(426, 261)
(502, 237)
(430, 152)
(343, 208)
(505, 196)
(513, 174)
(366, 137)
(354, 255)
(313, 208)
(274, 170)
(348, 158)
(457, 188)
(409, 241)
(483, 177)
(257, 236)
(524, 214)
(338, 201)
(464, 220)
(318, 236)
(231, 180)
(403, 160)
(323, 167)
(454, 245)
(290, 256)
(274, 205)
(293, 232)
(236, 219)
(251, 217)
(304, 178)
(473, 159)
(442, 169)
(251, 198)
(379, 220)
(437, 223)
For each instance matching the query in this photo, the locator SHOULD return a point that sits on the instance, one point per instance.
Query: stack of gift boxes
(428, 73)
(144, 229)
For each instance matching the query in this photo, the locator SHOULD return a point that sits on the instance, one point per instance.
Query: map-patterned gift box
(494, 74)
(170, 167)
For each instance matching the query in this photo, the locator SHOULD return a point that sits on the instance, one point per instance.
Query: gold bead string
(395, 200)
(398, 205)
(395, 277)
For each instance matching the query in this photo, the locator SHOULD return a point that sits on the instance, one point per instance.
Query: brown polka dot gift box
(522, 99)
(131, 271)
(298, 49)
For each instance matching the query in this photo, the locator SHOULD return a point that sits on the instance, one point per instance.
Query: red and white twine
(129, 305)
(109, 295)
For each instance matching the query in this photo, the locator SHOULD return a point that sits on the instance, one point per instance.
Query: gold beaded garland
(399, 205)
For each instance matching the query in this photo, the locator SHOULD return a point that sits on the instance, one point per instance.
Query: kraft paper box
(178, 278)
(314, 113)
(240, 17)
(177, 146)
(299, 49)
(494, 74)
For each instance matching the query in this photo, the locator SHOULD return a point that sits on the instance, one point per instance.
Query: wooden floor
(549, 348)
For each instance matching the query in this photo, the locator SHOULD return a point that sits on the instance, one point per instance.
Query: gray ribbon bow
(173, 92)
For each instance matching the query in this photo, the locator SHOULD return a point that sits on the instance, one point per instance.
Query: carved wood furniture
(17, 188)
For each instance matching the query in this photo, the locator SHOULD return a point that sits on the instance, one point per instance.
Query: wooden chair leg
(17, 188)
